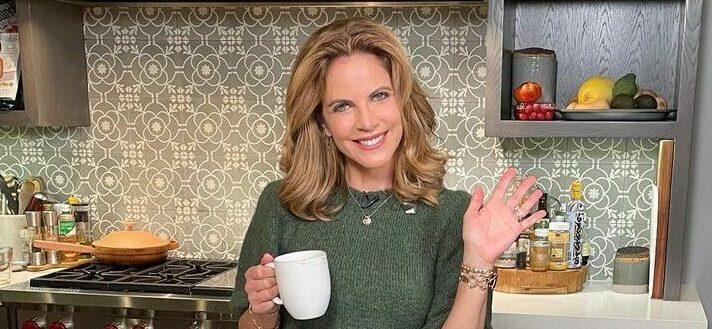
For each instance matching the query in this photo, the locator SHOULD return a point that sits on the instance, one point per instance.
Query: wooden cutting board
(515, 281)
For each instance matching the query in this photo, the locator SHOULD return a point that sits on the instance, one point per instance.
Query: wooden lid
(130, 239)
(534, 52)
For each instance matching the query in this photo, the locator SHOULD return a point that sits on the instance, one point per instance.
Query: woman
(363, 184)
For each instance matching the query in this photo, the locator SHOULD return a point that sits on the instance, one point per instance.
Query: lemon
(594, 89)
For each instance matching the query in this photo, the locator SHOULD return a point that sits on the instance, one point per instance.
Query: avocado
(623, 101)
(646, 102)
(625, 85)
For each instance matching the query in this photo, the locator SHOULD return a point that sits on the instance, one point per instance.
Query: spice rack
(515, 281)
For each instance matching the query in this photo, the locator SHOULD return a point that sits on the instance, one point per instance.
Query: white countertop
(22, 276)
(597, 307)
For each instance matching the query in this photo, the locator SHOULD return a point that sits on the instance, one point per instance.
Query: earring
(326, 131)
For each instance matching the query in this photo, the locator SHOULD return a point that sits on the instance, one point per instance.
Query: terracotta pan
(127, 247)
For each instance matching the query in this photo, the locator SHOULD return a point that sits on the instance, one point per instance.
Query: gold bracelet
(254, 320)
(477, 278)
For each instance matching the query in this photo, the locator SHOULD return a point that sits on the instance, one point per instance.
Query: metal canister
(535, 65)
(37, 258)
(50, 221)
(34, 218)
(35, 229)
(52, 257)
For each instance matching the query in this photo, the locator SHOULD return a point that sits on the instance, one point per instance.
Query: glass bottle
(523, 244)
(67, 232)
(542, 205)
(83, 226)
(576, 215)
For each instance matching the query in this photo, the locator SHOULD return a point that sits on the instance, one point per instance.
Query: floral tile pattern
(187, 118)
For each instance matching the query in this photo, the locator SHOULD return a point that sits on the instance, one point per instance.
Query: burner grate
(178, 276)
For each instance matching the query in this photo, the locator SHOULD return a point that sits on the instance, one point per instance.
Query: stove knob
(57, 325)
(35, 323)
(65, 323)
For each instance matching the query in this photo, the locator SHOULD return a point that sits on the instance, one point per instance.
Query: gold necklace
(367, 218)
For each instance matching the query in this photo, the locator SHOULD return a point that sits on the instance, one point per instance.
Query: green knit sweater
(399, 272)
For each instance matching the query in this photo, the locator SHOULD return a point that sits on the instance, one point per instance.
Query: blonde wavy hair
(313, 165)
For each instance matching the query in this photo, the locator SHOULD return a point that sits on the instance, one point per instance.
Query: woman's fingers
(258, 272)
(263, 295)
(533, 218)
(476, 200)
(531, 201)
(503, 184)
(521, 191)
(258, 285)
(263, 307)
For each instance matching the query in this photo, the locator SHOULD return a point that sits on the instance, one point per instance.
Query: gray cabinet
(53, 65)
(657, 40)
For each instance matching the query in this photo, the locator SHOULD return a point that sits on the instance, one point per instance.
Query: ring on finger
(519, 213)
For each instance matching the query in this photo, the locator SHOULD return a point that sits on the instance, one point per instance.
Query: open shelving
(656, 40)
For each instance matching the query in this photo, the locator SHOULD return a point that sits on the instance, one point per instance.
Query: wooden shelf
(560, 128)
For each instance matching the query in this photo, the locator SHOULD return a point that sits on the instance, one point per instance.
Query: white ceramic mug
(304, 283)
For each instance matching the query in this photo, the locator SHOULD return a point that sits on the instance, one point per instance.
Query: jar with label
(67, 232)
(540, 251)
(559, 241)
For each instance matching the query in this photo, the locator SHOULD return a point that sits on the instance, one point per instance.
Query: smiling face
(362, 113)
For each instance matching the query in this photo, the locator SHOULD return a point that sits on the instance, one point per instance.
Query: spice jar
(559, 241)
(67, 232)
(51, 222)
(508, 258)
(522, 251)
(540, 251)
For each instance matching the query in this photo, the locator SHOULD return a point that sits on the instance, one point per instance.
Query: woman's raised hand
(489, 228)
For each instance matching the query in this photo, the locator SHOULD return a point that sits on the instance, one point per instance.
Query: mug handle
(275, 300)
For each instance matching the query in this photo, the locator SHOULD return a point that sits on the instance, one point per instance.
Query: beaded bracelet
(476, 278)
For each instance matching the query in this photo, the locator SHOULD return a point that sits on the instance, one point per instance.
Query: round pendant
(366, 220)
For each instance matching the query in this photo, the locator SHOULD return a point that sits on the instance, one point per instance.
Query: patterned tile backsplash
(187, 117)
